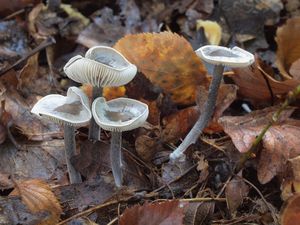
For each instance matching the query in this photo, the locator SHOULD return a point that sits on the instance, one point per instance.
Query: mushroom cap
(101, 67)
(218, 55)
(72, 110)
(120, 114)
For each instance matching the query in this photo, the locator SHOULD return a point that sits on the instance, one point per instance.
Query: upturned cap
(101, 67)
(72, 110)
(120, 114)
(218, 55)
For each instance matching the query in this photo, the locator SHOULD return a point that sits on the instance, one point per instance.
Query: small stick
(49, 41)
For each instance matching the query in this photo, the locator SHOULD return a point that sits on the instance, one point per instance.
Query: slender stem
(204, 118)
(95, 130)
(116, 157)
(70, 150)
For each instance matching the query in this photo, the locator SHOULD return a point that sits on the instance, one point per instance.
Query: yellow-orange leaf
(287, 38)
(168, 61)
(38, 197)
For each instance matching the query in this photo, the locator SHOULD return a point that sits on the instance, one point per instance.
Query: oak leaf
(280, 143)
(291, 213)
(168, 61)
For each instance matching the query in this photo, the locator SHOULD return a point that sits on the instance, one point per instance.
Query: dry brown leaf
(236, 190)
(291, 212)
(38, 197)
(288, 45)
(159, 213)
(253, 83)
(168, 61)
(280, 143)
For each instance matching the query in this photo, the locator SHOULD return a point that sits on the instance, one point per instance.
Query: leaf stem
(70, 151)
(116, 157)
(204, 118)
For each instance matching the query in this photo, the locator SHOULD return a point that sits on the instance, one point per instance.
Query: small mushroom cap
(101, 67)
(218, 55)
(120, 114)
(72, 110)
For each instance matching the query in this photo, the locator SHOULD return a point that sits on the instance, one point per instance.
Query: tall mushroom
(70, 111)
(101, 67)
(118, 115)
(220, 57)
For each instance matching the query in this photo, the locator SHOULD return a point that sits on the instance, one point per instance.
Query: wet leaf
(199, 213)
(236, 190)
(288, 50)
(275, 153)
(38, 197)
(168, 61)
(159, 213)
(291, 212)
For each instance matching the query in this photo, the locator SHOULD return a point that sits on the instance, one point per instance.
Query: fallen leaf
(38, 197)
(280, 143)
(199, 213)
(288, 45)
(290, 214)
(254, 83)
(177, 125)
(159, 213)
(168, 61)
(236, 190)
(212, 30)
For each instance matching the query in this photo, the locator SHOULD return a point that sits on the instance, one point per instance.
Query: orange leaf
(168, 61)
(159, 213)
(288, 51)
(38, 197)
(291, 212)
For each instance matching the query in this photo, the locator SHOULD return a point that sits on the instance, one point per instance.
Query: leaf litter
(160, 39)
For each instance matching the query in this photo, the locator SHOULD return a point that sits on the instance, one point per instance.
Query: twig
(264, 200)
(252, 151)
(90, 210)
(49, 41)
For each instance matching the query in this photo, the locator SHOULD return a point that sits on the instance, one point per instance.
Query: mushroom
(220, 57)
(101, 67)
(71, 111)
(118, 115)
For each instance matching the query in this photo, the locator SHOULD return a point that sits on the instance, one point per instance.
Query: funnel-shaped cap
(217, 55)
(120, 114)
(72, 109)
(101, 67)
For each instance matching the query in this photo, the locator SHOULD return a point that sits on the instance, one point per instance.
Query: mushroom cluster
(101, 67)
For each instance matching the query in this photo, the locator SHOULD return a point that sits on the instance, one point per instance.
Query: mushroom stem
(70, 150)
(116, 157)
(204, 118)
(95, 130)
